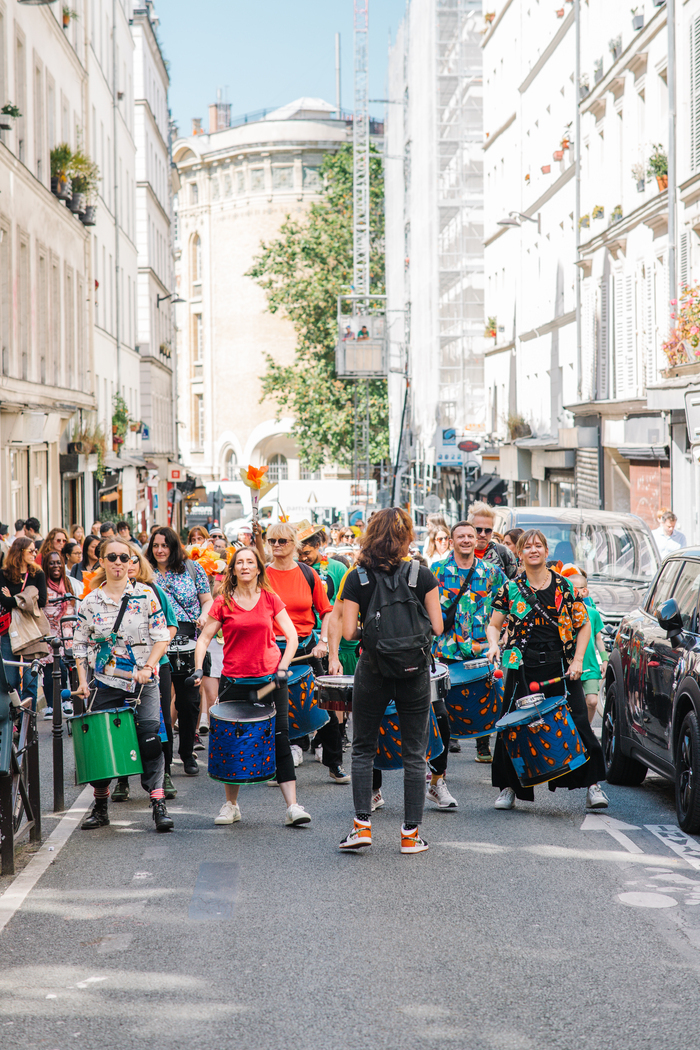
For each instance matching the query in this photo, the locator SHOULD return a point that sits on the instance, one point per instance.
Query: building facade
(434, 249)
(238, 184)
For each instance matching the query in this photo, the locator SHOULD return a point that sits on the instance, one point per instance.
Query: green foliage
(10, 110)
(302, 273)
(84, 174)
(61, 156)
(120, 416)
(658, 162)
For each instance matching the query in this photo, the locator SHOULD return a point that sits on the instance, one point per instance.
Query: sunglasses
(123, 558)
(484, 532)
(278, 543)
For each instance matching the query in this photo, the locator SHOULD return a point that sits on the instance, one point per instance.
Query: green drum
(105, 745)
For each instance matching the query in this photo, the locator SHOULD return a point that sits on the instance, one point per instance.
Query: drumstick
(498, 673)
(536, 686)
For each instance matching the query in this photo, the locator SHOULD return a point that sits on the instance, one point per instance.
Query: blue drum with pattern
(542, 740)
(241, 742)
(475, 700)
(389, 742)
(305, 716)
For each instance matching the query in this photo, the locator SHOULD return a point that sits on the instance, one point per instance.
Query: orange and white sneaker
(361, 835)
(411, 842)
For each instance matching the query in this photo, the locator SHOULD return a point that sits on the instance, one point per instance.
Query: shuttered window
(625, 337)
(695, 94)
(588, 347)
(603, 338)
(649, 325)
(684, 259)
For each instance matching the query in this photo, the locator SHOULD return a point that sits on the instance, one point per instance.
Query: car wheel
(688, 775)
(621, 769)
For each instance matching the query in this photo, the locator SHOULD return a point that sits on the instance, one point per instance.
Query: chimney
(219, 114)
(197, 126)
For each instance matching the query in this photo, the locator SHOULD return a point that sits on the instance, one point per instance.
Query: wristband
(199, 672)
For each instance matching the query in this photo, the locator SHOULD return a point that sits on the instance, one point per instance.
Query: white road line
(600, 822)
(683, 845)
(24, 883)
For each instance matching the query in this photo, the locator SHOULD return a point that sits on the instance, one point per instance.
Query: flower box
(638, 22)
(558, 154)
(78, 203)
(7, 122)
(89, 217)
(546, 169)
(662, 182)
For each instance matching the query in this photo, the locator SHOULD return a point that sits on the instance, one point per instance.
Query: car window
(686, 594)
(607, 552)
(663, 586)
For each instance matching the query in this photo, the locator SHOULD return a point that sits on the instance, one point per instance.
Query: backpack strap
(189, 565)
(362, 576)
(308, 574)
(413, 573)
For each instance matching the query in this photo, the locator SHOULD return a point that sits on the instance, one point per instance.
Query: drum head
(181, 644)
(440, 671)
(335, 681)
(525, 715)
(235, 711)
(297, 672)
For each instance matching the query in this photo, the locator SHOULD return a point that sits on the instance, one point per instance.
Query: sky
(267, 53)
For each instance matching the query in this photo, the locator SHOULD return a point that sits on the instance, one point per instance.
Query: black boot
(160, 815)
(121, 791)
(99, 817)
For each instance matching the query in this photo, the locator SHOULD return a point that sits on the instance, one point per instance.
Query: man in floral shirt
(466, 640)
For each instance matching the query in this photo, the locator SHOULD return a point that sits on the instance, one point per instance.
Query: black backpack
(397, 629)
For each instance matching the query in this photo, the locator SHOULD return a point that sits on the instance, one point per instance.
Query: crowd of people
(366, 601)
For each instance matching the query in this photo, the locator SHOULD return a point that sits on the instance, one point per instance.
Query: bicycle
(19, 767)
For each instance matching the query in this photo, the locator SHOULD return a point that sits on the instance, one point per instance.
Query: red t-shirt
(250, 650)
(295, 592)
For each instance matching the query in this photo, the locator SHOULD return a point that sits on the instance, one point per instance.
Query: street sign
(175, 473)
(431, 505)
(468, 446)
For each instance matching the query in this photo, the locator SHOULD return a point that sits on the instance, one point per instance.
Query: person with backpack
(468, 588)
(305, 598)
(186, 585)
(398, 603)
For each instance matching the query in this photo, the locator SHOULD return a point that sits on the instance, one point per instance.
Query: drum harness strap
(531, 597)
(112, 641)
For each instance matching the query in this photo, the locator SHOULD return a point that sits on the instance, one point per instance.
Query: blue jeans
(48, 681)
(12, 674)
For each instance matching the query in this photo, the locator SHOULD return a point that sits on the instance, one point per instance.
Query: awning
(644, 452)
(107, 497)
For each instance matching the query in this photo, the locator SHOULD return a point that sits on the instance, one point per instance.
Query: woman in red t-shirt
(248, 612)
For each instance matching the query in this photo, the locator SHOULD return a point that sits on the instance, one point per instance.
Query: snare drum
(305, 715)
(541, 739)
(389, 744)
(181, 654)
(475, 699)
(241, 742)
(105, 744)
(335, 692)
(439, 682)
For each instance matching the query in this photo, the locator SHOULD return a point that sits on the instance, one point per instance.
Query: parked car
(651, 716)
(616, 550)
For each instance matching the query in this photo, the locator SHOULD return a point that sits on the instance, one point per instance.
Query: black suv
(652, 688)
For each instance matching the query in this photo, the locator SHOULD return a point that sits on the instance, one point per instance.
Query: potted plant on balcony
(657, 167)
(598, 70)
(565, 143)
(8, 115)
(68, 16)
(598, 211)
(584, 222)
(637, 20)
(60, 168)
(558, 154)
(584, 85)
(616, 214)
(84, 176)
(639, 176)
(683, 344)
(491, 328)
(615, 47)
(120, 421)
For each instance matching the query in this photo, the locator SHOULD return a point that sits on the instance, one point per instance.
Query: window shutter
(649, 314)
(587, 341)
(695, 95)
(630, 339)
(603, 338)
(684, 260)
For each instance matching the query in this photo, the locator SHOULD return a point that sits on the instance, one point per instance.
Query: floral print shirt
(142, 626)
(520, 618)
(467, 639)
(184, 590)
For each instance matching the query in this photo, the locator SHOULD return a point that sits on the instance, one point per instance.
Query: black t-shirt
(38, 580)
(545, 635)
(353, 590)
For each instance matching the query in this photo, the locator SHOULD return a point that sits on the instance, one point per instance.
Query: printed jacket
(467, 639)
(572, 615)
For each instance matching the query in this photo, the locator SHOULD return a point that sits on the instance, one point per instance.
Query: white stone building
(434, 253)
(238, 184)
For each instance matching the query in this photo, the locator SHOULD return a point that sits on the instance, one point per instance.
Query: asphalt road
(516, 931)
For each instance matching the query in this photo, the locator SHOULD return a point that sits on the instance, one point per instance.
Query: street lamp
(164, 298)
(516, 218)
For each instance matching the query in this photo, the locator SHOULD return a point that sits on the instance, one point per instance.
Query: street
(523, 929)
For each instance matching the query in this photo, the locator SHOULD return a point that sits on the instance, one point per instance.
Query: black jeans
(187, 701)
(229, 691)
(48, 681)
(165, 680)
(517, 684)
(438, 765)
(371, 695)
(330, 735)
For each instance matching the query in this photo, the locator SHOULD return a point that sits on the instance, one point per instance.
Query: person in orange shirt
(302, 591)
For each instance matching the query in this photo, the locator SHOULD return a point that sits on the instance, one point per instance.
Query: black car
(651, 717)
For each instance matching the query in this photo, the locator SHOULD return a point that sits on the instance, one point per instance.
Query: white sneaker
(296, 815)
(596, 798)
(439, 794)
(229, 813)
(318, 753)
(48, 713)
(377, 800)
(297, 754)
(67, 707)
(506, 799)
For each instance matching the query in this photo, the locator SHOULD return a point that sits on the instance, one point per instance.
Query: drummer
(124, 669)
(304, 597)
(247, 611)
(474, 584)
(548, 631)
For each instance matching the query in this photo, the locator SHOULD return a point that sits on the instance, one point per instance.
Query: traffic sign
(468, 446)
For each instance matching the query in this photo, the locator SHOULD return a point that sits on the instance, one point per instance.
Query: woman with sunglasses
(437, 546)
(186, 585)
(55, 541)
(19, 570)
(304, 596)
(88, 562)
(124, 670)
(61, 594)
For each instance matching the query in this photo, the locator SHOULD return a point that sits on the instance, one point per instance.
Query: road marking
(681, 844)
(214, 892)
(16, 893)
(647, 900)
(598, 822)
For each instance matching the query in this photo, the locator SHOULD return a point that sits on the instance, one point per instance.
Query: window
(278, 470)
(196, 258)
(198, 339)
(194, 193)
(230, 463)
(5, 301)
(23, 303)
(310, 475)
(695, 95)
(663, 587)
(20, 99)
(198, 421)
(686, 594)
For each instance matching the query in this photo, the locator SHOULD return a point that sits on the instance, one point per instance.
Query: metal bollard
(57, 732)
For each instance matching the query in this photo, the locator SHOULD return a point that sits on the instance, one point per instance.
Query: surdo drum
(241, 742)
(541, 739)
(475, 699)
